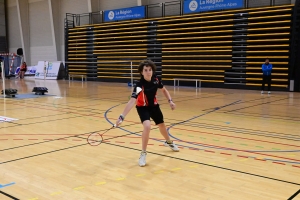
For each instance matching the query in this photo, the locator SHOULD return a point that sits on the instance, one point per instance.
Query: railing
(154, 11)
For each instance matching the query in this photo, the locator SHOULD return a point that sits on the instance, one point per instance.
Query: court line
(231, 136)
(226, 148)
(274, 117)
(240, 130)
(180, 146)
(255, 105)
(242, 102)
(207, 146)
(56, 139)
(209, 165)
(6, 185)
(35, 155)
(217, 108)
(294, 195)
(10, 196)
(56, 110)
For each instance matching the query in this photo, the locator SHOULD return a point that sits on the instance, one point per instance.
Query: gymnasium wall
(38, 25)
(44, 20)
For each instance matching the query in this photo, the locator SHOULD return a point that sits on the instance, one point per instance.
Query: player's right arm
(131, 103)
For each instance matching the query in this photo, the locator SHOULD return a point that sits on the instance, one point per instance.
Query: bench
(183, 79)
(77, 75)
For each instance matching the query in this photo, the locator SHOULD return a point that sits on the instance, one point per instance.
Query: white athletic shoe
(262, 92)
(172, 146)
(269, 92)
(142, 160)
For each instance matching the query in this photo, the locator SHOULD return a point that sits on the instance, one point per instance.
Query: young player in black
(144, 97)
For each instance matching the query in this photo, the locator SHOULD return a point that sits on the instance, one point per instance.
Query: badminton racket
(95, 139)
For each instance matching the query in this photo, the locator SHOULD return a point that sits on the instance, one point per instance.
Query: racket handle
(115, 125)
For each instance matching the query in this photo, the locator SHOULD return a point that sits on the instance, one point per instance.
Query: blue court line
(6, 185)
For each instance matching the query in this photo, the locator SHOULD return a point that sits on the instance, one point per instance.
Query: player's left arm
(168, 96)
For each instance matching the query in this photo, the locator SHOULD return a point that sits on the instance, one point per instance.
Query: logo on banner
(50, 66)
(32, 70)
(111, 15)
(193, 5)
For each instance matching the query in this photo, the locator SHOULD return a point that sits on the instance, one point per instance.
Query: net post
(3, 78)
(131, 74)
(44, 70)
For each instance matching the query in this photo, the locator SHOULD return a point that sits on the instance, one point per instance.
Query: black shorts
(147, 112)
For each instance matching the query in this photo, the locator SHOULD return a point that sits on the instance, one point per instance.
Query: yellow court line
(157, 172)
(139, 175)
(100, 183)
(79, 188)
(56, 193)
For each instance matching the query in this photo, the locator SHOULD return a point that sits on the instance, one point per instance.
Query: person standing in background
(267, 72)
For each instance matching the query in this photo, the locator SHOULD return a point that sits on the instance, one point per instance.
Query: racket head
(94, 139)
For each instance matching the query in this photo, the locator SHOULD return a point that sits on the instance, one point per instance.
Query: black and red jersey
(145, 91)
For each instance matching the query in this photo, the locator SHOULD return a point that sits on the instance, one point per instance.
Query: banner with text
(194, 6)
(51, 69)
(124, 14)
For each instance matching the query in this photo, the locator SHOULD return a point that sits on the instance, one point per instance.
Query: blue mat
(29, 96)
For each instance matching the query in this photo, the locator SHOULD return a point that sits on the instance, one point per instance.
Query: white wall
(41, 44)
(98, 5)
(14, 35)
(45, 26)
(68, 6)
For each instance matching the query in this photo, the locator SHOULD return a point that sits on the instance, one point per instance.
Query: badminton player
(144, 98)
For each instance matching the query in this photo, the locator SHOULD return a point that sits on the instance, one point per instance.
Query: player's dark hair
(146, 62)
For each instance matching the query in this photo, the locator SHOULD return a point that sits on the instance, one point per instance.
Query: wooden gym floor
(235, 145)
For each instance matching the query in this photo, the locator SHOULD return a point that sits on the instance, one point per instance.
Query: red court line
(179, 147)
(278, 163)
(259, 159)
(242, 156)
(246, 151)
(237, 137)
(226, 154)
(209, 151)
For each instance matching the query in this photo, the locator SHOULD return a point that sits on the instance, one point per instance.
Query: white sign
(30, 70)
(51, 69)
(6, 119)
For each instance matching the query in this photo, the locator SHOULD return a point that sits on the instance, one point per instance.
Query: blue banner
(194, 6)
(124, 14)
